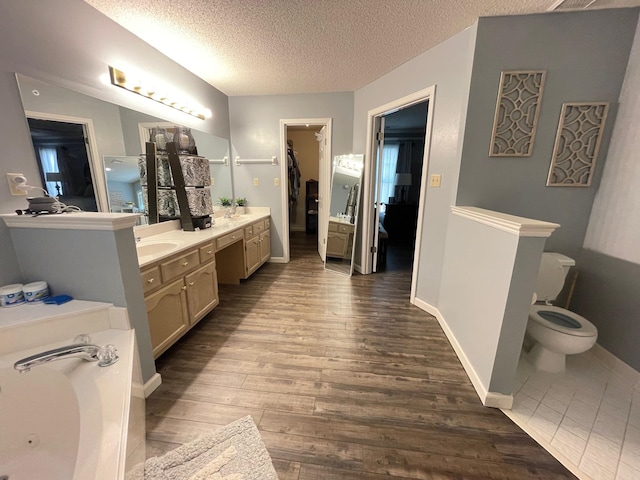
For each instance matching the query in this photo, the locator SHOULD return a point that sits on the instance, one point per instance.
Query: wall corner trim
(488, 399)
(520, 226)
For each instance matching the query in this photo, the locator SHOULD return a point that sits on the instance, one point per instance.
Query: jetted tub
(71, 419)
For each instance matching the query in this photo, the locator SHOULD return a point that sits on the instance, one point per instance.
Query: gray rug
(234, 452)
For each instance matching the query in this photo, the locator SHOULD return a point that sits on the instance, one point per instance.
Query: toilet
(557, 332)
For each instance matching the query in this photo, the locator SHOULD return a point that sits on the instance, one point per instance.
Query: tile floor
(587, 417)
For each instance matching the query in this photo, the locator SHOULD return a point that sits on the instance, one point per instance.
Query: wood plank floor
(344, 378)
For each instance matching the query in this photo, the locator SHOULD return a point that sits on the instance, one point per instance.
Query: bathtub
(71, 419)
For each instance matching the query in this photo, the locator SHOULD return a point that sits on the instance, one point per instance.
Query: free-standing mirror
(343, 212)
(112, 143)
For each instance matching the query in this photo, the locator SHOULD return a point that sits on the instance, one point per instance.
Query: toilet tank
(552, 274)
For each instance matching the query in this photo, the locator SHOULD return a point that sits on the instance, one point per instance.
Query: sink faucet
(105, 356)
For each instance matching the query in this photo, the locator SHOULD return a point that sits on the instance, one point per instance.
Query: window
(389, 165)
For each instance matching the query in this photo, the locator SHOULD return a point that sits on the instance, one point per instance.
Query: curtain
(49, 160)
(389, 164)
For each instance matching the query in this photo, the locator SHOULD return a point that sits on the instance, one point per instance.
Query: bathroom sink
(154, 248)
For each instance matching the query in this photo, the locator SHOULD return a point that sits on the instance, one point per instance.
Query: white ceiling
(262, 47)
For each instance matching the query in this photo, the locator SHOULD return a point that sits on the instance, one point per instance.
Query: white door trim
(427, 94)
(95, 160)
(284, 175)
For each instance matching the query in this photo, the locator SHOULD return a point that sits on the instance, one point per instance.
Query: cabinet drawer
(267, 223)
(248, 232)
(229, 238)
(343, 228)
(150, 279)
(179, 266)
(207, 252)
(258, 227)
(333, 227)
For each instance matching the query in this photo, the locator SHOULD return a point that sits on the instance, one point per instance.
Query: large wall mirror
(343, 212)
(87, 149)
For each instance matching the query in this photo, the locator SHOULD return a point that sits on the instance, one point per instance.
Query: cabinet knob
(209, 252)
(151, 280)
(191, 284)
(184, 287)
(185, 263)
(233, 237)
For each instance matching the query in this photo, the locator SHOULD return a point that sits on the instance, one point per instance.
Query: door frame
(284, 175)
(366, 260)
(96, 167)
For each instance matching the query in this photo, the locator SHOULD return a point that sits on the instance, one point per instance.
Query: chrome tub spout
(105, 356)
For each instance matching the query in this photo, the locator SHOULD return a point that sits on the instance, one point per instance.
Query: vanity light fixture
(147, 89)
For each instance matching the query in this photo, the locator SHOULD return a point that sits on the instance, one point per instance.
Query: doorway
(305, 178)
(399, 172)
(67, 159)
(371, 207)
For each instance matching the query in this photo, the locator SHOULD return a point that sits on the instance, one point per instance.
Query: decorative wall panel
(577, 144)
(516, 117)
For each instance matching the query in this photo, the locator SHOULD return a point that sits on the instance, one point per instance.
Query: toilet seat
(584, 327)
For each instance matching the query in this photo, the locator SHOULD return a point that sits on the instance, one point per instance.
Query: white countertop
(177, 240)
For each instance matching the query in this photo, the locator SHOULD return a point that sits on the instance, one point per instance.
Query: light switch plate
(276, 182)
(256, 182)
(434, 180)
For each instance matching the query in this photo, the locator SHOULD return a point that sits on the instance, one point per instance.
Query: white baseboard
(277, 260)
(488, 399)
(151, 384)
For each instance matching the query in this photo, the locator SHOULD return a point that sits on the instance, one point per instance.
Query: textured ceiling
(261, 47)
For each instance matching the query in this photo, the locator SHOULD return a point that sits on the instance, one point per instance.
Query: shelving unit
(311, 207)
(188, 220)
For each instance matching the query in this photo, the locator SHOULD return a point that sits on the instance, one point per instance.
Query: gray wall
(448, 67)
(9, 267)
(585, 55)
(606, 294)
(67, 260)
(255, 127)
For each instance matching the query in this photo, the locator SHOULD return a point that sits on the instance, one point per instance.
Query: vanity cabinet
(179, 292)
(257, 245)
(168, 315)
(340, 239)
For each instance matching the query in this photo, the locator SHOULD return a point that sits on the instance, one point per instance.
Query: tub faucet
(105, 356)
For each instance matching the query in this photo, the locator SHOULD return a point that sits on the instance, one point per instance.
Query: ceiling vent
(561, 5)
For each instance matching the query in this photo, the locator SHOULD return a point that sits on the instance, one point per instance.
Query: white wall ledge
(73, 221)
(521, 226)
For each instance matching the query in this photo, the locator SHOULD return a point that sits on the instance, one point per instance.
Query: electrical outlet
(276, 182)
(434, 180)
(256, 182)
(14, 180)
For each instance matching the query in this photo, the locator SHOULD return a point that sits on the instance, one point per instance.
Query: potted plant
(225, 203)
(241, 203)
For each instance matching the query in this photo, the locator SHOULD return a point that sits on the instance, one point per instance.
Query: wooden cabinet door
(168, 315)
(265, 246)
(202, 291)
(337, 244)
(252, 254)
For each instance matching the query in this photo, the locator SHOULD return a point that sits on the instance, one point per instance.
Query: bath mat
(234, 452)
